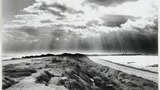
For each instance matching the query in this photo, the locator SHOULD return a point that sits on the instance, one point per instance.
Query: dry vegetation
(7, 82)
(77, 72)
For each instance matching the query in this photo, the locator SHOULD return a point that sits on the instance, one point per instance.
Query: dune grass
(80, 73)
(16, 72)
(7, 82)
(43, 77)
(117, 79)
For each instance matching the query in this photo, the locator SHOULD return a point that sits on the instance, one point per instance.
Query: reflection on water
(135, 61)
(140, 61)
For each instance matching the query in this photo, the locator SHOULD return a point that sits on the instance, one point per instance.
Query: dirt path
(144, 74)
(29, 84)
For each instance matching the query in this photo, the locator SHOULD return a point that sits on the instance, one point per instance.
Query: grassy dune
(74, 72)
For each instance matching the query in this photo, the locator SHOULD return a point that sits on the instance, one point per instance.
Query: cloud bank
(84, 26)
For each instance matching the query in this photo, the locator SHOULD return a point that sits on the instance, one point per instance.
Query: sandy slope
(140, 73)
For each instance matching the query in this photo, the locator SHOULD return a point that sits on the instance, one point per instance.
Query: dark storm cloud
(45, 7)
(116, 20)
(109, 2)
(61, 8)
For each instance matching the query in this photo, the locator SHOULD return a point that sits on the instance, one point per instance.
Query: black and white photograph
(79, 44)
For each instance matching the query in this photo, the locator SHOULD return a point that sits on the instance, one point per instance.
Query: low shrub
(43, 77)
(7, 82)
(18, 72)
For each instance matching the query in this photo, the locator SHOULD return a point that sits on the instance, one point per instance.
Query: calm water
(134, 61)
(140, 61)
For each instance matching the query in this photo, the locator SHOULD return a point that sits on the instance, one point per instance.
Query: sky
(93, 26)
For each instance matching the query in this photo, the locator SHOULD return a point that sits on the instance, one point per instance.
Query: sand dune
(76, 72)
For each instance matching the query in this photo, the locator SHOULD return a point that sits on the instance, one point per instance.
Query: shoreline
(131, 67)
(146, 74)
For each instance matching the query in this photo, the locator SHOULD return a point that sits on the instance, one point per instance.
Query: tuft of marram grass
(43, 77)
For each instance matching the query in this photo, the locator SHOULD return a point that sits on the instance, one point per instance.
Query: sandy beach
(153, 76)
